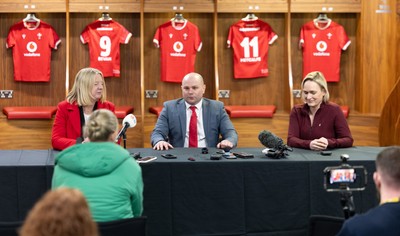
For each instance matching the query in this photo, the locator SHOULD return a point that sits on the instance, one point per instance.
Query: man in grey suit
(172, 127)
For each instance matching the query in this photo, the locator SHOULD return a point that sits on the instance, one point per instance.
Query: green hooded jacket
(109, 178)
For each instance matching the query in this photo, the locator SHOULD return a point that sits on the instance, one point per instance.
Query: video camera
(345, 177)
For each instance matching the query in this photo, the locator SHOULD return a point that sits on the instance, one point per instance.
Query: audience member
(317, 124)
(385, 218)
(173, 124)
(61, 212)
(87, 95)
(107, 175)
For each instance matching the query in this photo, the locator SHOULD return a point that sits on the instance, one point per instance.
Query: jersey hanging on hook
(178, 42)
(250, 40)
(104, 39)
(32, 41)
(322, 47)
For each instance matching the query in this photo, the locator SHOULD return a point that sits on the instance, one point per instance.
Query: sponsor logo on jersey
(178, 48)
(321, 47)
(31, 47)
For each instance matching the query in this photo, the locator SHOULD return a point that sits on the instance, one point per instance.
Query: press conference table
(259, 196)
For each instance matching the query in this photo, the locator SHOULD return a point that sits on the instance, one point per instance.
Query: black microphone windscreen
(270, 140)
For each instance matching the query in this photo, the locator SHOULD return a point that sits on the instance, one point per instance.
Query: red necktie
(193, 128)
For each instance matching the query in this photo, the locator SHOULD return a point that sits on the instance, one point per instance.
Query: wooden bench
(122, 111)
(40, 112)
(266, 111)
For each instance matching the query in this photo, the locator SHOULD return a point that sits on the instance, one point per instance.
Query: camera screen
(342, 176)
(338, 178)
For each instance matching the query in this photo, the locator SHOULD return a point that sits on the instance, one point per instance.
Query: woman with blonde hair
(317, 124)
(107, 175)
(61, 212)
(87, 94)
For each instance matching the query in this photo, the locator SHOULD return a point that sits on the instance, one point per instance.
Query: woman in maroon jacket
(87, 95)
(317, 124)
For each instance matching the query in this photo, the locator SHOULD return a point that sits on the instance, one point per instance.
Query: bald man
(172, 127)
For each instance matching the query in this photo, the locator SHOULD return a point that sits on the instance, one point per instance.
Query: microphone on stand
(275, 146)
(128, 122)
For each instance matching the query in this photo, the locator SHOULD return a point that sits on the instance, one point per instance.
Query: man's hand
(225, 144)
(319, 144)
(162, 145)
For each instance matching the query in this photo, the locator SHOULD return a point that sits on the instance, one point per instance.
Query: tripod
(346, 199)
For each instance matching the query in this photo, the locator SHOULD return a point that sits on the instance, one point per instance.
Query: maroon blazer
(67, 124)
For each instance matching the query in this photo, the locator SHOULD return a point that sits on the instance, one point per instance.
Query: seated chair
(322, 225)
(125, 227)
(10, 228)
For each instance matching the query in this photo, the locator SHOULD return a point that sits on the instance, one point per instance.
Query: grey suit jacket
(171, 124)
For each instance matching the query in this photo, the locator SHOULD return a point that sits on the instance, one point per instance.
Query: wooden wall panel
(33, 93)
(343, 91)
(256, 91)
(377, 58)
(204, 58)
(124, 90)
(398, 39)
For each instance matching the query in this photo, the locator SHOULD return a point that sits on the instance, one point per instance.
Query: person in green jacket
(109, 178)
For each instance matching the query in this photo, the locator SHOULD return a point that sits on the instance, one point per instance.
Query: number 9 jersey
(104, 38)
(250, 40)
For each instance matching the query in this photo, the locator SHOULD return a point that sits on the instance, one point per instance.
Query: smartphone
(146, 159)
(243, 155)
(215, 156)
(353, 178)
(169, 156)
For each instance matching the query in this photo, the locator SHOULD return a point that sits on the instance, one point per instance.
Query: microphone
(128, 122)
(275, 146)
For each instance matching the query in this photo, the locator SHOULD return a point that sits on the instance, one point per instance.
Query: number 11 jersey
(104, 38)
(250, 41)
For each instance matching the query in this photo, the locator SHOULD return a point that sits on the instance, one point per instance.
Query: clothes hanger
(250, 16)
(105, 16)
(30, 17)
(178, 18)
(322, 17)
(322, 21)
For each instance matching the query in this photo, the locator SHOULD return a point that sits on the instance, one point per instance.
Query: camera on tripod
(345, 177)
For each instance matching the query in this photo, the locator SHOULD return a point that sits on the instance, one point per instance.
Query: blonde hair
(60, 212)
(318, 78)
(101, 124)
(84, 82)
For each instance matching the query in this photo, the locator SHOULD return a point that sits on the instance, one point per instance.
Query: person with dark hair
(61, 212)
(385, 218)
(317, 124)
(107, 175)
(174, 127)
(88, 94)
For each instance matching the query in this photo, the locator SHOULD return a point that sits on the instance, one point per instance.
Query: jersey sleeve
(157, 37)
(301, 41)
(344, 41)
(124, 35)
(84, 37)
(10, 38)
(230, 37)
(198, 44)
(55, 40)
(272, 36)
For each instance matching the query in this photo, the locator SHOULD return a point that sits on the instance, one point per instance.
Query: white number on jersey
(246, 44)
(105, 44)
